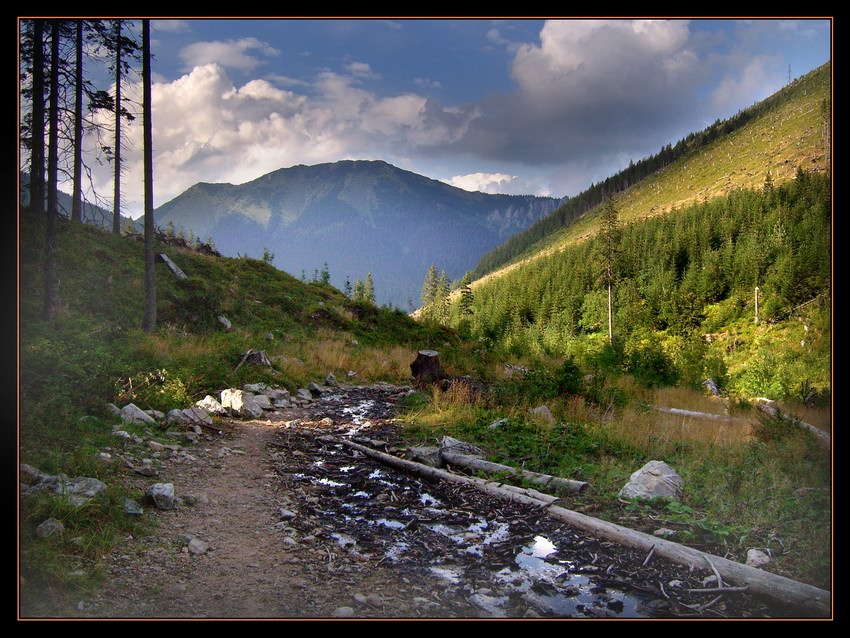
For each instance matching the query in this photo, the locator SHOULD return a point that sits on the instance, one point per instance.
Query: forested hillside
(684, 304)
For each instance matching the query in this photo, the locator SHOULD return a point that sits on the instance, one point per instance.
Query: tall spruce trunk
(50, 247)
(150, 285)
(77, 205)
(37, 151)
(116, 205)
(610, 315)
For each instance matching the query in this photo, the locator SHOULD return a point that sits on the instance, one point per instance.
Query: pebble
(289, 541)
(197, 547)
(343, 612)
(49, 527)
(360, 598)
(285, 513)
(375, 600)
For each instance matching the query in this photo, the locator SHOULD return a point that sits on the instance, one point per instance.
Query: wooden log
(426, 367)
(701, 415)
(481, 465)
(807, 598)
(822, 436)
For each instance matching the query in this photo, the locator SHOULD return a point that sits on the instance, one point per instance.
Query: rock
(197, 547)
(175, 416)
(350, 374)
(32, 475)
(544, 414)
(676, 584)
(155, 414)
(162, 495)
(79, 490)
(500, 423)
(145, 470)
(655, 479)
(426, 367)
(664, 533)
(290, 542)
(224, 321)
(197, 416)
(451, 444)
(331, 381)
(132, 508)
(304, 394)
(315, 390)
(757, 558)
(360, 598)
(427, 455)
(104, 456)
(155, 446)
(375, 600)
(286, 514)
(131, 413)
(711, 386)
(709, 581)
(281, 403)
(255, 358)
(210, 405)
(49, 527)
(241, 403)
(263, 401)
(343, 612)
(113, 410)
(277, 394)
(254, 388)
(269, 336)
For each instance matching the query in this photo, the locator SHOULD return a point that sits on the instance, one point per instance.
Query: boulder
(263, 401)
(32, 475)
(132, 508)
(49, 527)
(316, 390)
(331, 381)
(211, 405)
(500, 423)
(277, 394)
(654, 480)
(113, 409)
(757, 558)
(281, 403)
(131, 413)
(162, 495)
(155, 414)
(197, 416)
(426, 367)
(543, 413)
(304, 394)
(451, 444)
(240, 403)
(426, 455)
(175, 416)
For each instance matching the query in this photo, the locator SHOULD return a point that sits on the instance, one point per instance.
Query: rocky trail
(289, 523)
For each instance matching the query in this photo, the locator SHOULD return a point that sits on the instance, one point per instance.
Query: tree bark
(37, 150)
(149, 323)
(481, 465)
(426, 368)
(77, 205)
(49, 308)
(116, 198)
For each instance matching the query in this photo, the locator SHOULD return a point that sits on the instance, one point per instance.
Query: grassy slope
(780, 140)
(88, 355)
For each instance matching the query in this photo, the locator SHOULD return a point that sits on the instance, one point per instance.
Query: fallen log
(701, 415)
(481, 465)
(807, 598)
(822, 436)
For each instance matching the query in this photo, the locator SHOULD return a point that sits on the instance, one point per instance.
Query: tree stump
(426, 368)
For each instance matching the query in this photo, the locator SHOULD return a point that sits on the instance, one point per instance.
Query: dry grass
(819, 417)
(641, 428)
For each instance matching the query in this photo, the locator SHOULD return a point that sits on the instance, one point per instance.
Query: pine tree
(347, 288)
(429, 286)
(149, 323)
(611, 234)
(326, 274)
(358, 291)
(369, 290)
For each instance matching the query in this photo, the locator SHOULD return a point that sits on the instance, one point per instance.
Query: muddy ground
(299, 526)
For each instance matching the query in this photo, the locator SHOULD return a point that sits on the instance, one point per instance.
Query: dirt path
(301, 528)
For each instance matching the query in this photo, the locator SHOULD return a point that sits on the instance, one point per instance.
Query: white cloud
(427, 83)
(395, 26)
(285, 80)
(207, 128)
(362, 70)
(232, 54)
(171, 26)
(497, 183)
(758, 79)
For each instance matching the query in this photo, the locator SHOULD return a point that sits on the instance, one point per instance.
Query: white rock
(224, 321)
(343, 612)
(498, 424)
(654, 480)
(197, 547)
(162, 495)
(131, 413)
(241, 403)
(664, 532)
(211, 405)
(757, 558)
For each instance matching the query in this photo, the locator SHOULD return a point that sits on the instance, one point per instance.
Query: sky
(503, 106)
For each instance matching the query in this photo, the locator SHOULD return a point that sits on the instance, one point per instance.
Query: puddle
(359, 412)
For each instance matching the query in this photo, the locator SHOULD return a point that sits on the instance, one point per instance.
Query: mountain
(359, 217)
(92, 213)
